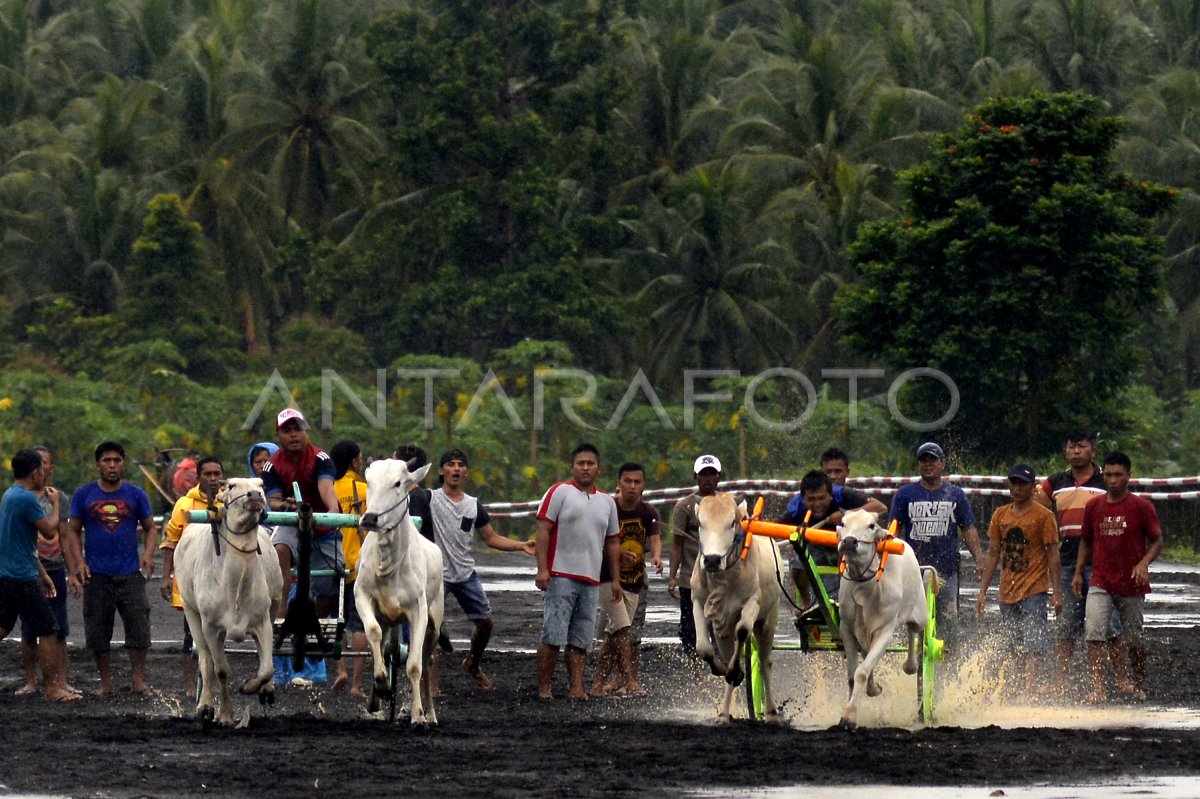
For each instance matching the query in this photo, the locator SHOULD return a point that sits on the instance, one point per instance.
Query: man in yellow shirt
(212, 475)
(352, 498)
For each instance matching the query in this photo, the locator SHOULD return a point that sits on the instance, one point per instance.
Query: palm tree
(298, 124)
(710, 301)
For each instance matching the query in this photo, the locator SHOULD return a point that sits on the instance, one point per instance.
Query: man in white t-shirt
(577, 530)
(456, 516)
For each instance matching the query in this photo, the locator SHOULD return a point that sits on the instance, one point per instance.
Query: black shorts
(58, 606)
(24, 598)
(104, 596)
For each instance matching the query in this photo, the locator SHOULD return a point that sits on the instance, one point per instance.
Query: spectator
(107, 513)
(457, 516)
(418, 503)
(24, 583)
(685, 544)
(1067, 493)
(1121, 537)
(211, 474)
(54, 561)
(577, 530)
(836, 465)
(1023, 540)
(352, 498)
(930, 514)
(640, 531)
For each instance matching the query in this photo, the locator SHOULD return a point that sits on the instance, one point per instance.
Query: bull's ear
(742, 510)
(419, 474)
(223, 494)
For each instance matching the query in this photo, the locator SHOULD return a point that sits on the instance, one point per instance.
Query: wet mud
(508, 743)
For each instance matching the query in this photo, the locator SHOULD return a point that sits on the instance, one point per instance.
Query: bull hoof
(266, 696)
(873, 687)
(735, 677)
(205, 716)
(381, 685)
(848, 724)
(771, 717)
(373, 703)
(723, 719)
(910, 667)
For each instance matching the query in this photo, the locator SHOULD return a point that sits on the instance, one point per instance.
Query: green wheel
(752, 680)
(930, 650)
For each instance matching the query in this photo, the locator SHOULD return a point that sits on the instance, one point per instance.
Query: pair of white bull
(231, 590)
(736, 596)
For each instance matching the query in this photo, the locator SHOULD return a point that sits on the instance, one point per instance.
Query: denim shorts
(471, 597)
(58, 606)
(1026, 625)
(24, 598)
(1100, 607)
(569, 613)
(326, 554)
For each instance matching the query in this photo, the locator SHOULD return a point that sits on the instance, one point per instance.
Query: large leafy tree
(504, 126)
(1022, 266)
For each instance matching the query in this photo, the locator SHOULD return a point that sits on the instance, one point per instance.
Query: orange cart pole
(824, 538)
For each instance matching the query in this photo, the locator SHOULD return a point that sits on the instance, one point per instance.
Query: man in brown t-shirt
(1023, 540)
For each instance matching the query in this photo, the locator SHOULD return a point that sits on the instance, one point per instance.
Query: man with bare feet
(108, 512)
(577, 529)
(24, 583)
(639, 533)
(456, 517)
(1067, 493)
(1121, 538)
(54, 561)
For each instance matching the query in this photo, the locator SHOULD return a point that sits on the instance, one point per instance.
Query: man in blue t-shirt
(108, 513)
(24, 583)
(930, 513)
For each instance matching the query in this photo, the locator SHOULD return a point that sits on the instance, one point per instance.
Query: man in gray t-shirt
(456, 517)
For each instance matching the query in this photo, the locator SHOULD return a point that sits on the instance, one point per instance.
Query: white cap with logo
(290, 415)
(706, 462)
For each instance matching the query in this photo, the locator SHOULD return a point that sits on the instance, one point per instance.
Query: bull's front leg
(862, 676)
(215, 637)
(263, 681)
(416, 656)
(431, 634)
(374, 633)
(704, 647)
(205, 711)
(745, 626)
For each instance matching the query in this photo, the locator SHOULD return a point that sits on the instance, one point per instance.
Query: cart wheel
(752, 680)
(930, 651)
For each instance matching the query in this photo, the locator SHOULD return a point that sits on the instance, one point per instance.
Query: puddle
(1149, 788)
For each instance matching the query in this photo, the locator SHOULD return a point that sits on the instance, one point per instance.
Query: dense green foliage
(196, 193)
(1021, 265)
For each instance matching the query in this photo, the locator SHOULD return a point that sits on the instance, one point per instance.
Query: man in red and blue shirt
(577, 530)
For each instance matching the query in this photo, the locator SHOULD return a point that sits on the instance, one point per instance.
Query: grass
(1181, 554)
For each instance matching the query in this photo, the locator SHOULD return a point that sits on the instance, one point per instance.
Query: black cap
(930, 448)
(1023, 472)
(453, 455)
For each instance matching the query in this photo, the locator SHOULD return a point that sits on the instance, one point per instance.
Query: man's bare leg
(137, 666)
(29, 662)
(479, 641)
(104, 666)
(547, 659)
(1096, 657)
(575, 665)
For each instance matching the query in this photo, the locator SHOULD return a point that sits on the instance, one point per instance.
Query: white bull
(399, 579)
(229, 591)
(875, 598)
(732, 597)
